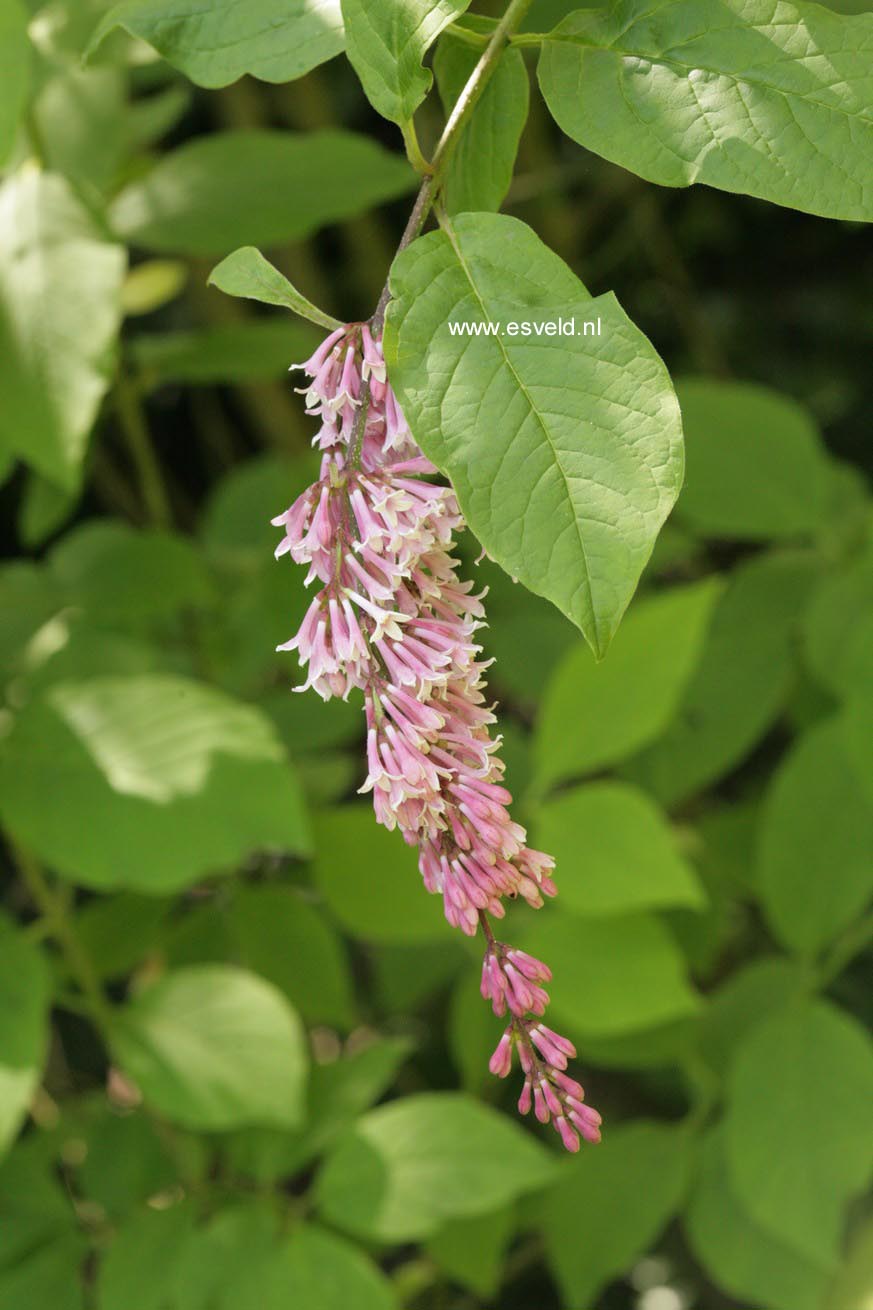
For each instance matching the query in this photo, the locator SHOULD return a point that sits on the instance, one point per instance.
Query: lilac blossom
(392, 619)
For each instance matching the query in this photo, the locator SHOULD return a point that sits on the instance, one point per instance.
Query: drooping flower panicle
(393, 619)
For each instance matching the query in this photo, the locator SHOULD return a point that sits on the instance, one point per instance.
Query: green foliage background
(242, 1056)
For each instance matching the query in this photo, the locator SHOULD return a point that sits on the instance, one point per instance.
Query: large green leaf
(127, 1162)
(370, 879)
(741, 1002)
(472, 1250)
(853, 1284)
(742, 1258)
(800, 1124)
(197, 200)
(408, 1166)
(14, 71)
(745, 673)
(815, 849)
(119, 931)
(593, 715)
(838, 628)
(247, 273)
(480, 169)
(142, 1267)
(217, 41)
(48, 1276)
(615, 851)
(277, 934)
(621, 1218)
(338, 1092)
(214, 1047)
(611, 976)
(318, 1270)
(755, 466)
(732, 93)
(128, 580)
(236, 1261)
(24, 998)
(81, 117)
(565, 450)
(386, 44)
(856, 725)
(41, 1243)
(60, 288)
(146, 782)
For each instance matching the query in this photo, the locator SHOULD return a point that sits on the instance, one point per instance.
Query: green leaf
(743, 1259)
(525, 635)
(853, 1283)
(30, 603)
(856, 726)
(543, 15)
(745, 672)
(41, 1244)
(152, 284)
(800, 1124)
(34, 1207)
(119, 931)
(629, 860)
(320, 1271)
(277, 934)
(565, 450)
(409, 1166)
(755, 466)
(472, 1032)
(128, 579)
(81, 118)
(729, 94)
(197, 200)
(622, 1220)
(288, 942)
(408, 976)
(838, 631)
(126, 1163)
(59, 315)
(338, 1092)
(220, 41)
(151, 118)
(246, 273)
(229, 352)
(665, 1044)
(14, 72)
(741, 1002)
(50, 1276)
(482, 163)
(45, 507)
(147, 782)
(593, 715)
(141, 1268)
(471, 1250)
(386, 43)
(237, 1261)
(815, 848)
(611, 976)
(214, 1047)
(24, 1001)
(369, 878)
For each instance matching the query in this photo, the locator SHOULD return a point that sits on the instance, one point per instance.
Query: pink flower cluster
(393, 619)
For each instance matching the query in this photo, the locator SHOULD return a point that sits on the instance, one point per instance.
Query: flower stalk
(393, 619)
